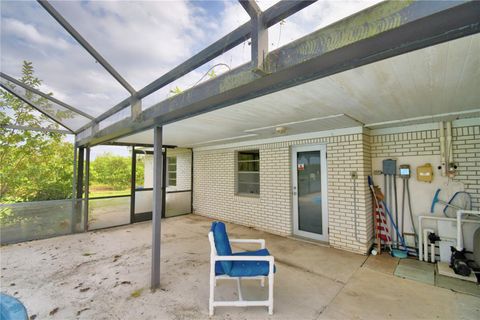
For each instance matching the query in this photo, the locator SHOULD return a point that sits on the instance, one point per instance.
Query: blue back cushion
(222, 244)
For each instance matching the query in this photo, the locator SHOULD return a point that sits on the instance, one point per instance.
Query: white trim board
(286, 138)
(424, 126)
(339, 132)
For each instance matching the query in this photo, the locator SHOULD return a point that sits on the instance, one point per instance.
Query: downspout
(442, 148)
(449, 148)
(451, 167)
(191, 182)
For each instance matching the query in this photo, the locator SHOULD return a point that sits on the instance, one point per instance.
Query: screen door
(309, 189)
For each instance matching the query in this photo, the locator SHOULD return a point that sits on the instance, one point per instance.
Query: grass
(94, 192)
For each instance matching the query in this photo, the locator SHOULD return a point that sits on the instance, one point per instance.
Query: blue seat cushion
(222, 244)
(247, 268)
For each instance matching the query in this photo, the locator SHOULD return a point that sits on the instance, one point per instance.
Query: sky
(141, 39)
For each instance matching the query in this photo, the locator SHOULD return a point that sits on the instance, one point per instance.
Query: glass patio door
(309, 189)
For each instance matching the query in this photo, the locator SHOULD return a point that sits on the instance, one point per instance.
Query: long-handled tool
(405, 175)
(459, 201)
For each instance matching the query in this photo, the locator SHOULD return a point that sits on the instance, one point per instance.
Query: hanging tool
(460, 201)
(405, 174)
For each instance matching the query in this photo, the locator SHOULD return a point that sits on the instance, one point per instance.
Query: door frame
(144, 216)
(322, 148)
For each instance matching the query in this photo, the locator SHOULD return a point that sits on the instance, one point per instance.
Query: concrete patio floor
(105, 275)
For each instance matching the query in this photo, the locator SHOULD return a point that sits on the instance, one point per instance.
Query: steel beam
(382, 31)
(251, 7)
(259, 46)
(164, 180)
(133, 183)
(26, 128)
(283, 9)
(271, 16)
(79, 186)
(157, 206)
(73, 215)
(31, 104)
(44, 95)
(87, 46)
(259, 35)
(87, 189)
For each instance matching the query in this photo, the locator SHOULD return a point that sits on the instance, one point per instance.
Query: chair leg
(270, 293)
(239, 286)
(212, 292)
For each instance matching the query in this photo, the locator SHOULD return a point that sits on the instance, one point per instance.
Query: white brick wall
(466, 151)
(214, 189)
(184, 168)
(214, 180)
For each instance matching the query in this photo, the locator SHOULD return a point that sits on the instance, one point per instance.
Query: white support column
(157, 207)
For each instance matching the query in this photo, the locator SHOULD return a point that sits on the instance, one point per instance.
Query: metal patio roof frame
(44, 95)
(87, 46)
(270, 17)
(39, 129)
(32, 104)
(376, 33)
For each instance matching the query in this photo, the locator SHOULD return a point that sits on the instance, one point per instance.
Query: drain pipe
(420, 227)
(449, 149)
(425, 245)
(443, 160)
(460, 213)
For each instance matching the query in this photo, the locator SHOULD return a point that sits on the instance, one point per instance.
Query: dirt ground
(105, 275)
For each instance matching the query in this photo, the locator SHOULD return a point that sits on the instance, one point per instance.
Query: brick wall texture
(214, 189)
(214, 181)
(184, 168)
(465, 145)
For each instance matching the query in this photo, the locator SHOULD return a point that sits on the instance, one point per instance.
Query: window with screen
(248, 172)
(172, 171)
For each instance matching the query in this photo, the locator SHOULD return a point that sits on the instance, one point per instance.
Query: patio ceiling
(431, 84)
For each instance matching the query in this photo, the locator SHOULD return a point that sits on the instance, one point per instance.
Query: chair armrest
(270, 259)
(259, 241)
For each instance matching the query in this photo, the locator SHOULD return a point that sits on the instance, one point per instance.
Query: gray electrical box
(404, 171)
(390, 167)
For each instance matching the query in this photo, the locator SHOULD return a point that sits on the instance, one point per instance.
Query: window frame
(238, 172)
(169, 179)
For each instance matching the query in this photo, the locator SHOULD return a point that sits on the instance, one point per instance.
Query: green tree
(34, 165)
(111, 170)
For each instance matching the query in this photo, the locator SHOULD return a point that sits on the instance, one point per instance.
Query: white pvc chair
(237, 257)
